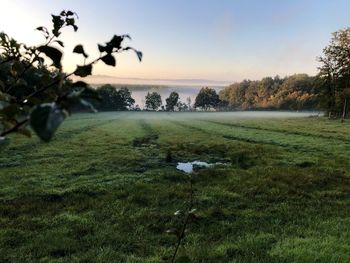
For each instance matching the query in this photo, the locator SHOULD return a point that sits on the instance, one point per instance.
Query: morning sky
(224, 40)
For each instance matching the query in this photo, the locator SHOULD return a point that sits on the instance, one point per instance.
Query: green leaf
(79, 49)
(70, 13)
(109, 60)
(127, 36)
(139, 55)
(83, 71)
(45, 119)
(58, 22)
(53, 53)
(43, 29)
(101, 48)
(116, 41)
(59, 42)
(80, 84)
(71, 22)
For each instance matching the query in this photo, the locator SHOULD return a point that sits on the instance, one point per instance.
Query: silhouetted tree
(153, 100)
(334, 73)
(114, 99)
(171, 101)
(207, 98)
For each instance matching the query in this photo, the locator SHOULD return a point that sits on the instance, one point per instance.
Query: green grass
(102, 190)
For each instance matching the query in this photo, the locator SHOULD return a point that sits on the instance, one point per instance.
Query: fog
(206, 115)
(185, 92)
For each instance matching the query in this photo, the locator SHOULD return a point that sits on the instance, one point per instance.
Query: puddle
(188, 167)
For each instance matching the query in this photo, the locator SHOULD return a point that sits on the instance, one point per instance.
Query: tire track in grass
(148, 146)
(298, 133)
(151, 135)
(69, 133)
(228, 136)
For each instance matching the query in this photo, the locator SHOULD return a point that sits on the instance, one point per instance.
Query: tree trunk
(344, 110)
(329, 115)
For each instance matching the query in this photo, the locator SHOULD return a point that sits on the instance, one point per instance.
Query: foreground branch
(14, 128)
(189, 215)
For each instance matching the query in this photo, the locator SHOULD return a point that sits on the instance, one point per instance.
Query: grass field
(103, 191)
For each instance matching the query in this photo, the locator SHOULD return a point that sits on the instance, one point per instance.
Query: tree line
(120, 99)
(297, 92)
(328, 91)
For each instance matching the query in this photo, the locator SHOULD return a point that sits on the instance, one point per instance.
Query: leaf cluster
(35, 93)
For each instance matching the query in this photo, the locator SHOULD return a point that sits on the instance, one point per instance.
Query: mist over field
(139, 92)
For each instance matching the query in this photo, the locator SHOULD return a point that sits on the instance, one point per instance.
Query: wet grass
(105, 190)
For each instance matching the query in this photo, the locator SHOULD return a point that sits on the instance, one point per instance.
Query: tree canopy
(334, 74)
(297, 92)
(153, 101)
(207, 98)
(172, 101)
(114, 99)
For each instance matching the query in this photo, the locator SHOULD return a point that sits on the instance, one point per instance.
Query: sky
(218, 40)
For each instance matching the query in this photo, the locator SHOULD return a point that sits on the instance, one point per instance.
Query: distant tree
(137, 108)
(207, 98)
(125, 100)
(114, 99)
(181, 106)
(297, 92)
(171, 101)
(153, 100)
(334, 73)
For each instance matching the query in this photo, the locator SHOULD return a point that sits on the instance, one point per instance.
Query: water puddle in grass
(188, 167)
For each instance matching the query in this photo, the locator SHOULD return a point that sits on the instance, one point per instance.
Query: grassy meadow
(106, 189)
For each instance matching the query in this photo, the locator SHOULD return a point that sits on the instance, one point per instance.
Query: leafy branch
(33, 93)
